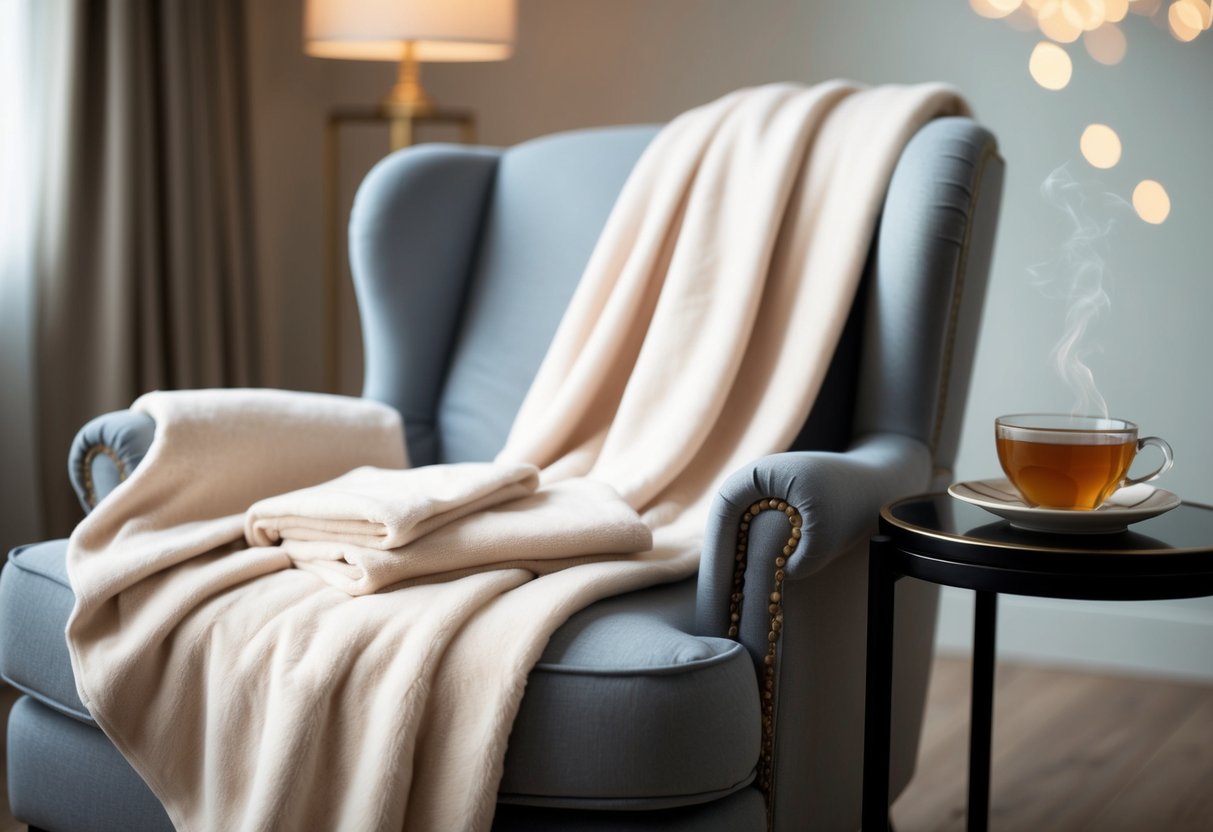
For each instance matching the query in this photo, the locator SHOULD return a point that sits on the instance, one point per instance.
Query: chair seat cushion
(625, 709)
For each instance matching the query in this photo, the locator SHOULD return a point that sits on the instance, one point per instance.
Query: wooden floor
(1072, 751)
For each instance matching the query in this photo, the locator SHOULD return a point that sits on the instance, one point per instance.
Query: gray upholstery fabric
(824, 624)
(73, 780)
(68, 777)
(35, 602)
(831, 422)
(650, 710)
(105, 451)
(455, 316)
(551, 199)
(412, 238)
(838, 496)
(822, 640)
(927, 259)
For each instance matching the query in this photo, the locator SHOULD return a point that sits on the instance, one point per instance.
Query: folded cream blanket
(253, 695)
(385, 509)
(374, 528)
(561, 525)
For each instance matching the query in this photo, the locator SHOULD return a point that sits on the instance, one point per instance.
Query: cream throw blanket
(383, 509)
(251, 695)
(464, 524)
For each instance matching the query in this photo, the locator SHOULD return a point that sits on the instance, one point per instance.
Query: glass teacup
(1071, 462)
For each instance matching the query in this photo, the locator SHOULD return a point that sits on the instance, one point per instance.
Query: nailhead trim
(90, 490)
(775, 610)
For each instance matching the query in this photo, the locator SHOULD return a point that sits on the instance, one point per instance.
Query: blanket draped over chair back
(252, 695)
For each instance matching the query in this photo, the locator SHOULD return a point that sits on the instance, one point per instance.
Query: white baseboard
(1172, 639)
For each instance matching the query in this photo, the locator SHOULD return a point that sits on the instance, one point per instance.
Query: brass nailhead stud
(775, 611)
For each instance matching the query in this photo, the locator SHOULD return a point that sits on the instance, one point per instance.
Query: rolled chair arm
(783, 572)
(106, 451)
(804, 507)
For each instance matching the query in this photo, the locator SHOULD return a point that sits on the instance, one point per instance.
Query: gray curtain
(146, 278)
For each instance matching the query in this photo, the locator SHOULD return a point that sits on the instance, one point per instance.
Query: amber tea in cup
(1071, 462)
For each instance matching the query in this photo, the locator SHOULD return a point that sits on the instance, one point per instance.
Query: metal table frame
(1051, 570)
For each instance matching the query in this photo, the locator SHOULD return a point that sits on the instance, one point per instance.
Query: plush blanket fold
(381, 509)
(561, 525)
(246, 684)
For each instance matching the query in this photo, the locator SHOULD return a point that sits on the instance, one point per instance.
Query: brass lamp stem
(408, 97)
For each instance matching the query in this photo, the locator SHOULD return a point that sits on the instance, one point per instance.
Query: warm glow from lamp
(1050, 66)
(409, 31)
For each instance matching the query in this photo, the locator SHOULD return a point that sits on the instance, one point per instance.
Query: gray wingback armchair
(654, 709)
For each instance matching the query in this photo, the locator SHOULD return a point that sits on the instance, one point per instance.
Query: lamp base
(408, 98)
(408, 101)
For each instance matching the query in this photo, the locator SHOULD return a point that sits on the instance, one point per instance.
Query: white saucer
(1128, 505)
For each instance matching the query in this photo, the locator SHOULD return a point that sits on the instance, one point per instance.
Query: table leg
(879, 696)
(981, 719)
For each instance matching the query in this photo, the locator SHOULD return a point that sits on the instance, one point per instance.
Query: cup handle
(1168, 459)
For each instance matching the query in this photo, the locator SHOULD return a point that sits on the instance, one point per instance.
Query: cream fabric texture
(253, 695)
(561, 525)
(382, 509)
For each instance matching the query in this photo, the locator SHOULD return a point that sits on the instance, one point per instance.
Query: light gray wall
(591, 62)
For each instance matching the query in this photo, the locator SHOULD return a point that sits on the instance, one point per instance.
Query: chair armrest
(106, 451)
(784, 572)
(836, 497)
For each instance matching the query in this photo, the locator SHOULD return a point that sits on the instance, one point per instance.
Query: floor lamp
(408, 32)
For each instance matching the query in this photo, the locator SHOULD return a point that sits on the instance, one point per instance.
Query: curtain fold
(146, 269)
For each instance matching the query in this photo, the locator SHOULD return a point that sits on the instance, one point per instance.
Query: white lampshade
(440, 30)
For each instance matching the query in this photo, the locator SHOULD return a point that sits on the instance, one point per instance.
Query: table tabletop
(1177, 543)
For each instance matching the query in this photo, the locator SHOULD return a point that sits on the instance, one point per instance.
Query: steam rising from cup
(1076, 276)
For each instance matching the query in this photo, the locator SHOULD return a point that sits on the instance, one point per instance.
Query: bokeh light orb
(1115, 11)
(1184, 21)
(1145, 8)
(1107, 44)
(1085, 14)
(1022, 19)
(1100, 146)
(994, 9)
(1151, 202)
(1203, 11)
(1050, 66)
(1055, 24)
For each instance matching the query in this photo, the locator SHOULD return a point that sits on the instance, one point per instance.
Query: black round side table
(943, 540)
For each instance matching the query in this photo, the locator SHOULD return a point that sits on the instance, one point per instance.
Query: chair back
(465, 258)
